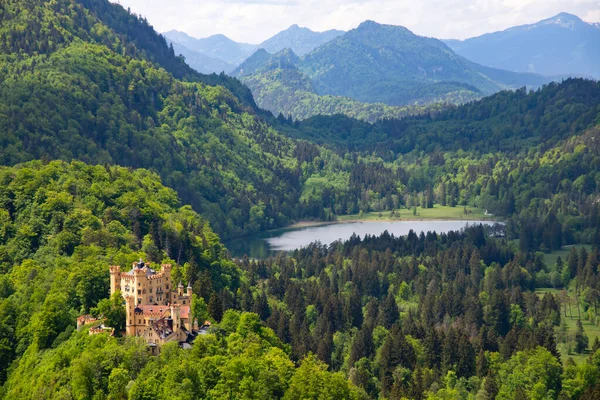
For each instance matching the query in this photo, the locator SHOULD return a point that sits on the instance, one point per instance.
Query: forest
(113, 149)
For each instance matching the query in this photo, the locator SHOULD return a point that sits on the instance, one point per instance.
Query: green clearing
(591, 330)
(436, 213)
(550, 258)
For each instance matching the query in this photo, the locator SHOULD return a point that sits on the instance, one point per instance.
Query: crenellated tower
(130, 315)
(115, 278)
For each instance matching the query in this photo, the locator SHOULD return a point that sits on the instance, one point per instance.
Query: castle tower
(180, 289)
(189, 291)
(130, 315)
(166, 269)
(139, 281)
(176, 317)
(115, 278)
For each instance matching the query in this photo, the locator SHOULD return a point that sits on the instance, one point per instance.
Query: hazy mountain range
(376, 71)
(219, 53)
(373, 63)
(563, 44)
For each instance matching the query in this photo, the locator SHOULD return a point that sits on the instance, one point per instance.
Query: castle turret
(180, 289)
(166, 270)
(115, 278)
(189, 291)
(176, 317)
(130, 315)
(139, 282)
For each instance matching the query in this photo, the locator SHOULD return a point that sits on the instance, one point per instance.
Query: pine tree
(389, 313)
(491, 385)
(443, 195)
(433, 349)
(482, 364)
(362, 345)
(215, 308)
(261, 306)
(581, 339)
(355, 309)
(466, 358)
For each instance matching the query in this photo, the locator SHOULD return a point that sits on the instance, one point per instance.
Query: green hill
(62, 225)
(75, 87)
(280, 87)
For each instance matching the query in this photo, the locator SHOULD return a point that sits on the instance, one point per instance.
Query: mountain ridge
(560, 45)
(300, 39)
(375, 63)
(216, 46)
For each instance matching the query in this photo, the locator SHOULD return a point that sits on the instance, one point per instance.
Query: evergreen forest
(113, 149)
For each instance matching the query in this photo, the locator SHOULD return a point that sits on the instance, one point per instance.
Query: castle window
(139, 292)
(150, 290)
(184, 302)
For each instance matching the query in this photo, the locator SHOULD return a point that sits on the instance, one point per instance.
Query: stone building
(155, 309)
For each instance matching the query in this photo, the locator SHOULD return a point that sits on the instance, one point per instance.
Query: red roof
(152, 310)
(185, 312)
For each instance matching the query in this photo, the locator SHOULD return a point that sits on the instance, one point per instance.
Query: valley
(449, 237)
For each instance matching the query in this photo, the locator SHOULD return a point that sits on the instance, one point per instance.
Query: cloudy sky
(253, 21)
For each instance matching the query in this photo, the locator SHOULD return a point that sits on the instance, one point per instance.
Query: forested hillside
(280, 87)
(75, 88)
(61, 226)
(449, 316)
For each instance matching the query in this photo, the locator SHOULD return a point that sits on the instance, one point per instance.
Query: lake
(269, 243)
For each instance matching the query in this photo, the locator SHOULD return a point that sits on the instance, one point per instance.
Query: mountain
(385, 64)
(300, 40)
(117, 95)
(390, 64)
(201, 62)
(219, 47)
(561, 45)
(280, 87)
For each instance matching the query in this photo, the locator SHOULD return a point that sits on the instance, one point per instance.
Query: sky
(253, 21)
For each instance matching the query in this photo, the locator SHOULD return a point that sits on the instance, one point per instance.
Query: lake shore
(438, 213)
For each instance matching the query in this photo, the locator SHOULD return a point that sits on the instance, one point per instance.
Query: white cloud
(253, 21)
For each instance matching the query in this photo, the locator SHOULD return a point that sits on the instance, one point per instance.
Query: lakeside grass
(441, 213)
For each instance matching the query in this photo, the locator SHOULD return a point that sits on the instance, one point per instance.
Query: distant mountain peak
(564, 20)
(300, 39)
(560, 45)
(566, 16)
(369, 24)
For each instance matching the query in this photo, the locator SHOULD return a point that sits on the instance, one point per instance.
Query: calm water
(266, 244)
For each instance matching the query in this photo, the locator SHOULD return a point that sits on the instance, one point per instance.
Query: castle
(154, 309)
